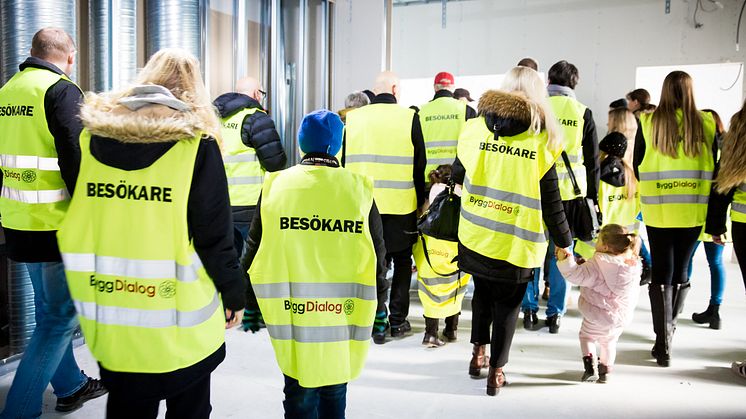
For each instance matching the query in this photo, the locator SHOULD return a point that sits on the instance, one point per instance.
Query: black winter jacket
(505, 117)
(398, 229)
(61, 105)
(374, 223)
(258, 132)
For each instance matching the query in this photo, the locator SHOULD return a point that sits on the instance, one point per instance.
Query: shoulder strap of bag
(570, 173)
(427, 258)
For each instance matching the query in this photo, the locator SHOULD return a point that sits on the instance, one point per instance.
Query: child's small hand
(632, 261)
(561, 254)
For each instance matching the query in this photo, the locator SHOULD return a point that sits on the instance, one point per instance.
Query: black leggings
(671, 250)
(739, 245)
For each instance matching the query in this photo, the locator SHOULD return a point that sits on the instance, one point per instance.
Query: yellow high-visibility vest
(144, 300)
(569, 113)
(314, 273)
(34, 196)
(379, 145)
(441, 120)
(501, 215)
(242, 168)
(441, 296)
(674, 191)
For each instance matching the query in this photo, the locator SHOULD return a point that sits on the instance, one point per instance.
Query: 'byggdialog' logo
(496, 205)
(320, 307)
(677, 184)
(167, 289)
(28, 176)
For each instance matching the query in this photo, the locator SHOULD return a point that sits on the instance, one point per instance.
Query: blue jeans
(645, 254)
(531, 297)
(327, 402)
(557, 287)
(49, 355)
(714, 254)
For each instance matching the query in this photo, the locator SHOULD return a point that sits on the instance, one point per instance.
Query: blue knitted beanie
(321, 132)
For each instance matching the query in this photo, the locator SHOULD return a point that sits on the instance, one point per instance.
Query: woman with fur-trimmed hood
(505, 161)
(149, 132)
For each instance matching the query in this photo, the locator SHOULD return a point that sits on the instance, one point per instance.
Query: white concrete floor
(402, 379)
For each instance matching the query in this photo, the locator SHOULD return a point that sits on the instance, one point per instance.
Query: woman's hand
(562, 254)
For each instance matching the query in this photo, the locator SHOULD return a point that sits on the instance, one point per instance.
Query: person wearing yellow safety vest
(148, 241)
(441, 120)
(581, 146)
(316, 260)
(730, 190)
(714, 254)
(504, 224)
(251, 146)
(674, 159)
(39, 159)
(384, 141)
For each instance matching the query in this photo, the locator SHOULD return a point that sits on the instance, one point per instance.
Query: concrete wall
(606, 39)
(357, 47)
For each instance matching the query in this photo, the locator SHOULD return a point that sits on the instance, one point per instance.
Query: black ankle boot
(591, 369)
(711, 316)
(661, 308)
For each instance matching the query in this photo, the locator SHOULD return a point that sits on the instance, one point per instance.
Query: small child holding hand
(609, 288)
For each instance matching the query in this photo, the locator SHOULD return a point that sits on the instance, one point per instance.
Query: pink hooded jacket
(609, 288)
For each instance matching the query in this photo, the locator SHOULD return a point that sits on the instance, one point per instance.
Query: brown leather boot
(478, 360)
(495, 380)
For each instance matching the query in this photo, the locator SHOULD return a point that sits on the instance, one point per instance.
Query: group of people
(156, 218)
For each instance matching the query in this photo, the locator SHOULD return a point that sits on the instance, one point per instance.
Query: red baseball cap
(444, 78)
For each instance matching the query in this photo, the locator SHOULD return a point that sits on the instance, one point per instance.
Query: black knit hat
(614, 144)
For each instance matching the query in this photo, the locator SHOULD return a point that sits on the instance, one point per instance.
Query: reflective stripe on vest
(494, 207)
(316, 286)
(674, 191)
(441, 296)
(34, 197)
(379, 145)
(133, 268)
(144, 299)
(242, 167)
(738, 206)
(570, 114)
(441, 120)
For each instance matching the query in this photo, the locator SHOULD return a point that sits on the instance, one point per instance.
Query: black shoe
(711, 316)
(554, 323)
(603, 372)
(401, 330)
(530, 319)
(590, 375)
(432, 341)
(91, 390)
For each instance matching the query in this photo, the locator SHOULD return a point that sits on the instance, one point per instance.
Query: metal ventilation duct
(175, 24)
(113, 43)
(21, 19)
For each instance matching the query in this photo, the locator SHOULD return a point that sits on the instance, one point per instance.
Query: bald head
(387, 82)
(56, 46)
(249, 86)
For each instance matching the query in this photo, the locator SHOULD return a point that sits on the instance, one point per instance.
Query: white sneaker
(739, 368)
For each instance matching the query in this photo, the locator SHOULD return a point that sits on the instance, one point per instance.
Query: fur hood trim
(514, 105)
(103, 116)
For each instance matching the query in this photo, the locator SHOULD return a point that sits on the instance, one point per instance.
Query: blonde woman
(674, 160)
(730, 189)
(152, 213)
(502, 225)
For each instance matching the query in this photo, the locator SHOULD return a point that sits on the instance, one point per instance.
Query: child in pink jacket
(609, 288)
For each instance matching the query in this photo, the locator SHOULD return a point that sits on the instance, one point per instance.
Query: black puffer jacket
(258, 132)
(508, 115)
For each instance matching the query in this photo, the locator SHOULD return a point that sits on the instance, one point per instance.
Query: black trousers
(193, 402)
(739, 245)
(399, 300)
(671, 250)
(499, 302)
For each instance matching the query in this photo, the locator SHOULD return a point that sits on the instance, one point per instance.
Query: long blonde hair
(526, 80)
(733, 156)
(677, 94)
(623, 121)
(179, 72)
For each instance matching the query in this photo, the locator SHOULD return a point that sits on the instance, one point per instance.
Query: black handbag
(585, 222)
(441, 219)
